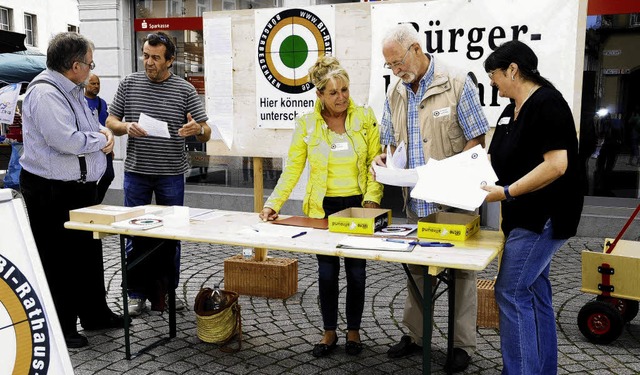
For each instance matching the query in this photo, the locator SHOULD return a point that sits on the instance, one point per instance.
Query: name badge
(340, 146)
(504, 120)
(446, 111)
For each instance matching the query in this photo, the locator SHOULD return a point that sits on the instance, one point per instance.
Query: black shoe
(110, 322)
(405, 347)
(322, 350)
(353, 347)
(459, 362)
(75, 340)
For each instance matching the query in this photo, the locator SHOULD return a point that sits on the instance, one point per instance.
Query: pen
(299, 234)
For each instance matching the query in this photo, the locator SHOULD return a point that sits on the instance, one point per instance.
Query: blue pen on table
(421, 243)
(298, 234)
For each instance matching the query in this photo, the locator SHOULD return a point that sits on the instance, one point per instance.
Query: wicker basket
(271, 278)
(220, 325)
(487, 308)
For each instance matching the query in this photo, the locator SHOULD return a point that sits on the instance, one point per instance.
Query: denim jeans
(528, 337)
(164, 266)
(329, 271)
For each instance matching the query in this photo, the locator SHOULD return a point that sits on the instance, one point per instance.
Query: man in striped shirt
(436, 112)
(156, 165)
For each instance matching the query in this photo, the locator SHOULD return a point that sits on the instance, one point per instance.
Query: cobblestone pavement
(279, 334)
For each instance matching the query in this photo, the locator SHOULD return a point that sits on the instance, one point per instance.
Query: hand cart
(613, 276)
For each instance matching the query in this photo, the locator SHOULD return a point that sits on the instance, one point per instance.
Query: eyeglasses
(490, 74)
(92, 65)
(397, 64)
(162, 38)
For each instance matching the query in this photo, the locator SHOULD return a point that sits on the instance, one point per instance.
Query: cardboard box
(488, 316)
(272, 277)
(357, 220)
(104, 214)
(448, 226)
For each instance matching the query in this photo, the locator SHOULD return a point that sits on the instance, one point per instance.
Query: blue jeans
(163, 268)
(528, 337)
(329, 272)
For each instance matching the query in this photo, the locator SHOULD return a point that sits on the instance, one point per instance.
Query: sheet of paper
(154, 128)
(203, 214)
(394, 173)
(372, 243)
(271, 230)
(456, 181)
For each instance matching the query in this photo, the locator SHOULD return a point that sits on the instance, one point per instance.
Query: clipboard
(302, 221)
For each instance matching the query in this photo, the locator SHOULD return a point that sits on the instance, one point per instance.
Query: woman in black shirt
(534, 152)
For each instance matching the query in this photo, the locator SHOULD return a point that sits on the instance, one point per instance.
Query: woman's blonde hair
(325, 69)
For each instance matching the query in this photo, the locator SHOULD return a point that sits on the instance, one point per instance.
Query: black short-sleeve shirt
(545, 123)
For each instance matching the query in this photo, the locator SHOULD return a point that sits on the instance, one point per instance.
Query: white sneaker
(179, 303)
(137, 306)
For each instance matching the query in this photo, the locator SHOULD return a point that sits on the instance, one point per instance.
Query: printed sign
(8, 100)
(288, 43)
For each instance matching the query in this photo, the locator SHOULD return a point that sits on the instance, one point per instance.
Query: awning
(21, 66)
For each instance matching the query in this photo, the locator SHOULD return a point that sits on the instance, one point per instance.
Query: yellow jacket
(311, 142)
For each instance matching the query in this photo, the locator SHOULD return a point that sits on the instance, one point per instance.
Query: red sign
(176, 23)
(597, 7)
(198, 83)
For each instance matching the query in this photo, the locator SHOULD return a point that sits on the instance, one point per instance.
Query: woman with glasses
(534, 152)
(340, 140)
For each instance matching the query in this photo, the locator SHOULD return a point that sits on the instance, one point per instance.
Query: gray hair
(325, 69)
(404, 34)
(66, 48)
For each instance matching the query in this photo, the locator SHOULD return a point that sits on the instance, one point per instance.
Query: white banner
(30, 334)
(8, 100)
(288, 43)
(463, 33)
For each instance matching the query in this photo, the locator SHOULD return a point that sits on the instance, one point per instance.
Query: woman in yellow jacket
(340, 141)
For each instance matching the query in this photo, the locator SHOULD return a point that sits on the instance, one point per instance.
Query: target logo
(289, 45)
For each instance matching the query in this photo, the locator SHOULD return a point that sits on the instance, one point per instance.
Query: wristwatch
(202, 130)
(507, 195)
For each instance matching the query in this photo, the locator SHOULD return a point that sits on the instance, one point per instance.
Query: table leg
(451, 286)
(426, 321)
(125, 297)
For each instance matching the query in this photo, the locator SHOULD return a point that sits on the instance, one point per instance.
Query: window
(202, 6)
(175, 8)
(30, 29)
(72, 28)
(634, 20)
(5, 19)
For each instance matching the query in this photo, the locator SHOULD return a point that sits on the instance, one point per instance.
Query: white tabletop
(235, 228)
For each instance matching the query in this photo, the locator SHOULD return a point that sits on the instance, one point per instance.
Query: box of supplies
(357, 220)
(271, 278)
(448, 226)
(487, 307)
(104, 214)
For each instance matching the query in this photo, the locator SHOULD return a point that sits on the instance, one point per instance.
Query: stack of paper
(395, 174)
(372, 243)
(457, 180)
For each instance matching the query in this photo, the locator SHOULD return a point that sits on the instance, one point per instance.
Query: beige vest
(440, 130)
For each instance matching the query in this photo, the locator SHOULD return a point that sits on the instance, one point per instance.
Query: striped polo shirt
(169, 101)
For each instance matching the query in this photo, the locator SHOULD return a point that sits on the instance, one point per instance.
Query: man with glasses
(436, 112)
(156, 165)
(65, 151)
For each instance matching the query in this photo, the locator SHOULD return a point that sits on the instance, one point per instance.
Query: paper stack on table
(456, 181)
(395, 174)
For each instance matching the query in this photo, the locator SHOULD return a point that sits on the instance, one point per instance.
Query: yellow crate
(488, 316)
(272, 278)
(448, 226)
(358, 220)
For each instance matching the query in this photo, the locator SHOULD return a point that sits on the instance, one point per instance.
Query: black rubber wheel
(627, 307)
(600, 322)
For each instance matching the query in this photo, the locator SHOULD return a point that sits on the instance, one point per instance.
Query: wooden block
(104, 214)
(488, 316)
(272, 278)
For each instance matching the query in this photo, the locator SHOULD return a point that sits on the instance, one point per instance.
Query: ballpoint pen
(298, 234)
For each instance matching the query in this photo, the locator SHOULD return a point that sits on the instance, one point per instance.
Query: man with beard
(436, 112)
(64, 156)
(156, 165)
